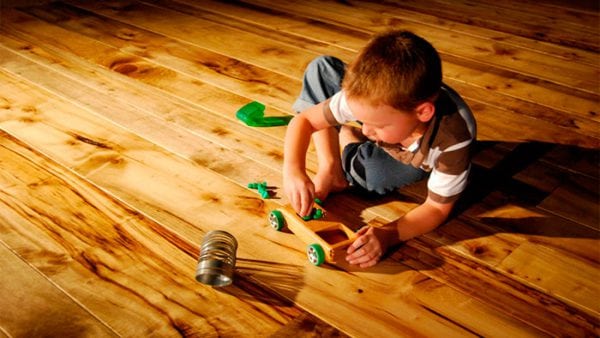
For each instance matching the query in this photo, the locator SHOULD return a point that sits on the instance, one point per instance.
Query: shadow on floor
(284, 282)
(507, 193)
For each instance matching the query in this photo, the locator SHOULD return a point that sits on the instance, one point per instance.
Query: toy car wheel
(315, 253)
(276, 220)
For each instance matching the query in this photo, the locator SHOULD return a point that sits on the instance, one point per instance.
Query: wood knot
(125, 69)
(124, 65)
(503, 50)
(220, 131)
(277, 155)
(29, 109)
(210, 197)
(89, 141)
(478, 250)
(126, 34)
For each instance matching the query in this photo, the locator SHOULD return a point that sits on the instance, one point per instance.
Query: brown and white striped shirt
(444, 150)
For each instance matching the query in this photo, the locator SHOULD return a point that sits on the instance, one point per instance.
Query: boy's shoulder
(453, 122)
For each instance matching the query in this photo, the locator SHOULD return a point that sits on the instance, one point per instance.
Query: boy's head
(396, 68)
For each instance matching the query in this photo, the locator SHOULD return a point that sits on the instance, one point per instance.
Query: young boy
(413, 127)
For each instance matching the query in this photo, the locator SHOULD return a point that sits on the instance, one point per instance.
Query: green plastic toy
(316, 254)
(253, 115)
(315, 213)
(261, 187)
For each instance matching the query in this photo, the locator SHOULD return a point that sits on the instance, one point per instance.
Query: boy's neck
(417, 134)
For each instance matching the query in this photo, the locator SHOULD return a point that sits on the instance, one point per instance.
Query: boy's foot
(326, 183)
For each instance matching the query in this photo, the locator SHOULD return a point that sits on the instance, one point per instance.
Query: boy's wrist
(386, 233)
(389, 236)
(291, 168)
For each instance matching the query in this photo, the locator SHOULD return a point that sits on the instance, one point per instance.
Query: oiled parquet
(119, 150)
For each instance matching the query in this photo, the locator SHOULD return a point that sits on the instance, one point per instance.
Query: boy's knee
(359, 165)
(322, 79)
(372, 169)
(326, 65)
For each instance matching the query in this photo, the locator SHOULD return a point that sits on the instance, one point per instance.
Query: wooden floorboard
(119, 150)
(21, 283)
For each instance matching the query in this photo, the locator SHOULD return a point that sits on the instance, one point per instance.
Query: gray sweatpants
(365, 164)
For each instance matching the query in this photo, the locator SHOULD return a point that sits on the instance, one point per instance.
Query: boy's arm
(372, 242)
(298, 186)
(422, 219)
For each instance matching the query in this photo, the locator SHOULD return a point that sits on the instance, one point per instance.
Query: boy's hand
(368, 247)
(300, 191)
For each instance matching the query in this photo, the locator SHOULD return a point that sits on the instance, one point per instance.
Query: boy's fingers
(359, 242)
(368, 264)
(365, 259)
(306, 203)
(362, 230)
(352, 248)
(295, 202)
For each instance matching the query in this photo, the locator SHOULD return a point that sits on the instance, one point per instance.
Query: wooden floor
(119, 150)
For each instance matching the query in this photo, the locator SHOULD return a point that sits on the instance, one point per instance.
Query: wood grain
(577, 199)
(484, 50)
(109, 257)
(117, 172)
(540, 21)
(119, 149)
(459, 71)
(112, 170)
(270, 20)
(48, 311)
(491, 115)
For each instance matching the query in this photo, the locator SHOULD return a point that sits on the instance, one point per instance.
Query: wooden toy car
(327, 239)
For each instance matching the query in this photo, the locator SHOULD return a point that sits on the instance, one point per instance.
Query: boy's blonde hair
(397, 68)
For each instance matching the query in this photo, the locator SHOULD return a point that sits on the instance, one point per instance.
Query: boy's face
(383, 123)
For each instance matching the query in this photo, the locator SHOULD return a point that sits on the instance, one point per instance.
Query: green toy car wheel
(276, 220)
(315, 253)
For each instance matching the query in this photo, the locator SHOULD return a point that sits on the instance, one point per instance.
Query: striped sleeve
(339, 108)
(449, 177)
(451, 154)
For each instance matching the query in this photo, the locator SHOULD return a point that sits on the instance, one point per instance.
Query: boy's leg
(369, 167)
(322, 79)
(349, 134)
(330, 177)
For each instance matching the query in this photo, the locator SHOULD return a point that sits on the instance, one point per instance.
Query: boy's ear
(425, 111)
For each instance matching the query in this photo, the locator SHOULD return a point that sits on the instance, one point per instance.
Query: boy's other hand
(368, 247)
(300, 191)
